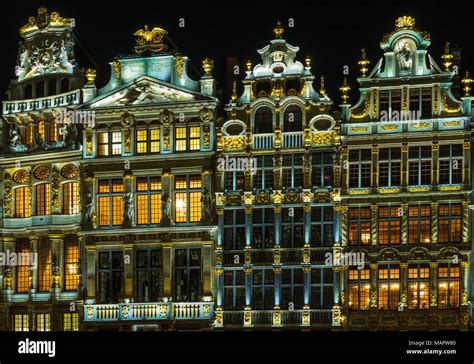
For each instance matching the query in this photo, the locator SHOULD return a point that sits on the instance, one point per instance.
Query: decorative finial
(467, 81)
(248, 65)
(345, 88)
(307, 61)
(117, 66)
(234, 91)
(90, 76)
(150, 40)
(405, 22)
(363, 63)
(278, 30)
(207, 65)
(322, 90)
(447, 58)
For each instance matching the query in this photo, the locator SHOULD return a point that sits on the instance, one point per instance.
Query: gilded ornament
(41, 172)
(150, 40)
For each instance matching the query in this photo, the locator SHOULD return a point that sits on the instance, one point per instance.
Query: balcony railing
(263, 141)
(293, 140)
(62, 100)
(149, 311)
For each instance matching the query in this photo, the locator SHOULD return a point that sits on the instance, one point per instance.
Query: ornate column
(277, 276)
(404, 233)
(373, 286)
(465, 222)
(433, 285)
(466, 175)
(345, 167)
(434, 222)
(248, 174)
(128, 199)
(248, 225)
(91, 261)
(375, 161)
(166, 198)
(33, 271)
(167, 269)
(89, 196)
(128, 254)
(219, 272)
(344, 224)
(307, 224)
(307, 169)
(206, 178)
(57, 252)
(434, 165)
(277, 160)
(374, 209)
(220, 226)
(337, 284)
(403, 286)
(404, 172)
(464, 283)
(207, 261)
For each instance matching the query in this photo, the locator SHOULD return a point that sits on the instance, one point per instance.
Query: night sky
(331, 34)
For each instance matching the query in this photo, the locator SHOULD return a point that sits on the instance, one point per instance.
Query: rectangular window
(71, 198)
(110, 276)
(148, 273)
(389, 167)
(22, 202)
(449, 223)
(71, 321)
(263, 228)
(418, 287)
(322, 226)
(390, 219)
(103, 143)
(359, 225)
(263, 289)
(419, 165)
(44, 266)
(71, 263)
(194, 138)
(148, 141)
(141, 141)
(23, 267)
(21, 322)
(43, 322)
(448, 286)
(187, 198)
(292, 171)
(419, 224)
(292, 227)
(234, 229)
(234, 289)
(234, 180)
(321, 288)
(388, 287)
(263, 179)
(420, 103)
(43, 199)
(110, 206)
(116, 142)
(322, 171)
(187, 275)
(360, 161)
(450, 164)
(148, 197)
(292, 288)
(180, 139)
(359, 289)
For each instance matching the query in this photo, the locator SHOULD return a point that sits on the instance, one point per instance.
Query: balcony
(160, 311)
(56, 101)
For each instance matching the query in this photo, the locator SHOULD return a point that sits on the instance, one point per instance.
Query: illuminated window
(103, 143)
(419, 224)
(71, 198)
(187, 198)
(43, 322)
(264, 176)
(359, 225)
(389, 167)
(359, 289)
(22, 202)
(418, 287)
(148, 272)
(154, 140)
(448, 286)
(110, 206)
(43, 199)
(116, 142)
(292, 288)
(142, 141)
(419, 165)
(389, 221)
(41, 129)
(388, 287)
(234, 229)
(148, 195)
(449, 222)
(71, 263)
(44, 266)
(52, 130)
(322, 288)
(292, 171)
(292, 119)
(21, 322)
(23, 267)
(180, 139)
(234, 289)
(29, 134)
(450, 164)
(263, 289)
(291, 227)
(187, 271)
(322, 226)
(322, 172)
(194, 138)
(71, 321)
(263, 228)
(360, 161)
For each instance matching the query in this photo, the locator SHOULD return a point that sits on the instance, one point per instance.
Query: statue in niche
(41, 143)
(404, 56)
(128, 207)
(14, 136)
(90, 209)
(166, 206)
(206, 203)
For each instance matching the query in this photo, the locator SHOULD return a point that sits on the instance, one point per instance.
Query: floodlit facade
(146, 205)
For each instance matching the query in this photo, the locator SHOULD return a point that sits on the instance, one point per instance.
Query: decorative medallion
(70, 171)
(21, 176)
(41, 172)
(127, 120)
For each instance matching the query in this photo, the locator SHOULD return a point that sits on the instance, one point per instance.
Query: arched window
(64, 85)
(43, 199)
(22, 202)
(52, 130)
(293, 119)
(71, 199)
(52, 89)
(263, 120)
(29, 134)
(40, 89)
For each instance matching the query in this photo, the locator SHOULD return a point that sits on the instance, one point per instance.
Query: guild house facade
(150, 204)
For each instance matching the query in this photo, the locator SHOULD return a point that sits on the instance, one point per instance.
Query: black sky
(332, 32)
